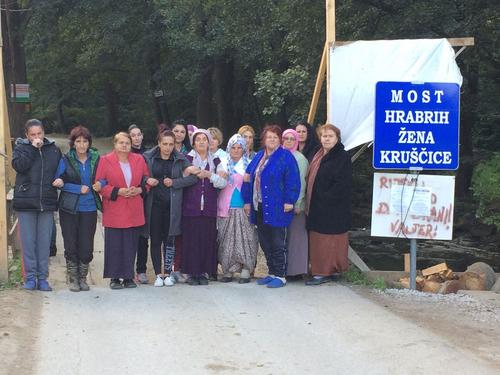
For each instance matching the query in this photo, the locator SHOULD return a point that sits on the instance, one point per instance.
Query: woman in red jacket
(123, 175)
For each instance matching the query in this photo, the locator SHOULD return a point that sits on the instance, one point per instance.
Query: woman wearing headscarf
(328, 207)
(247, 132)
(298, 254)
(125, 174)
(236, 236)
(199, 210)
(308, 141)
(269, 198)
(78, 205)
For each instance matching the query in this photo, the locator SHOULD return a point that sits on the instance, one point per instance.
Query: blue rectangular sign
(416, 126)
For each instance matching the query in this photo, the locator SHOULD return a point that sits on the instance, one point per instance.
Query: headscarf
(190, 128)
(295, 135)
(241, 165)
(197, 162)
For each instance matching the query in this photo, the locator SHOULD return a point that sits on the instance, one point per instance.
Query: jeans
(273, 243)
(36, 233)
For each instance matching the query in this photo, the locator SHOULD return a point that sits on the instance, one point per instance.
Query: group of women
(201, 206)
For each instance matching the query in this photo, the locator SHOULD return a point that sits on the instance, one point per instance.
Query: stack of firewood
(441, 279)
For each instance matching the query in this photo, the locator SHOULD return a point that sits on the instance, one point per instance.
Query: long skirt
(238, 242)
(328, 253)
(298, 247)
(199, 245)
(120, 248)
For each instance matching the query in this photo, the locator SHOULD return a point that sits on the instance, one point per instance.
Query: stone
(483, 268)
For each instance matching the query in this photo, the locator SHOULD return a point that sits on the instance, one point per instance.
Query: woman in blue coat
(272, 187)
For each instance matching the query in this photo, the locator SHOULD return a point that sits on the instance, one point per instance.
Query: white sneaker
(169, 281)
(158, 281)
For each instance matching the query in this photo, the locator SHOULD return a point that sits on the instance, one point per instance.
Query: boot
(84, 270)
(72, 269)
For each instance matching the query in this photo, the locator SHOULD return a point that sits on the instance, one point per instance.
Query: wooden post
(4, 122)
(317, 88)
(330, 40)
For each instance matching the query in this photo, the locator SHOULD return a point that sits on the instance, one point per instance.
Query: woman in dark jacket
(328, 207)
(308, 142)
(35, 160)
(163, 207)
(78, 205)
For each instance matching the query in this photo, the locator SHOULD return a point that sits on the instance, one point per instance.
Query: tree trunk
(111, 98)
(468, 114)
(13, 27)
(223, 82)
(204, 105)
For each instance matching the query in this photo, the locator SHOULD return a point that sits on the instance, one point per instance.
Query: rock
(473, 281)
(483, 268)
(451, 286)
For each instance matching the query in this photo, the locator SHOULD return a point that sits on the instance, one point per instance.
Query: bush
(486, 189)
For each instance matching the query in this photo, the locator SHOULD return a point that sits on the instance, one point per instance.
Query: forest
(107, 64)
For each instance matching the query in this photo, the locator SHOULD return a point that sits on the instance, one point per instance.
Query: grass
(357, 277)
(15, 274)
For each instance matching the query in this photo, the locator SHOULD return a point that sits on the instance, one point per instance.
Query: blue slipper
(265, 280)
(276, 283)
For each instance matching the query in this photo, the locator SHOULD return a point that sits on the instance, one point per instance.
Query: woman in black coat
(328, 210)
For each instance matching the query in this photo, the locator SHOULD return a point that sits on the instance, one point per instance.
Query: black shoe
(336, 276)
(129, 283)
(202, 280)
(244, 280)
(53, 250)
(226, 279)
(317, 280)
(193, 280)
(115, 284)
(212, 277)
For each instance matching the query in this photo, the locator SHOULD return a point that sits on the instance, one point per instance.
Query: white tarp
(356, 68)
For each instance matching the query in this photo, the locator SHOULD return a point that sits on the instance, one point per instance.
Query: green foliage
(485, 185)
(356, 277)
(15, 274)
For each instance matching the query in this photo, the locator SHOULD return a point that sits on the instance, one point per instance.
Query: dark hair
(79, 131)
(312, 142)
(32, 122)
(186, 142)
(273, 128)
(132, 127)
(165, 133)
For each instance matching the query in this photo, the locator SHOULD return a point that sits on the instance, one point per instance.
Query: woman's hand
(204, 174)
(287, 207)
(124, 192)
(97, 187)
(223, 174)
(58, 183)
(85, 189)
(191, 170)
(135, 190)
(168, 182)
(297, 210)
(246, 177)
(152, 181)
(246, 209)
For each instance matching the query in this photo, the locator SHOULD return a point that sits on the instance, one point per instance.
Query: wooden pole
(4, 122)
(330, 40)
(317, 88)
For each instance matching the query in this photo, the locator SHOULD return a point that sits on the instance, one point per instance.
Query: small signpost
(416, 128)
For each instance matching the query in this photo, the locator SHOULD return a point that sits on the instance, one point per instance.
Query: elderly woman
(328, 207)
(123, 210)
(217, 139)
(199, 210)
(298, 255)
(269, 198)
(236, 236)
(78, 205)
(182, 142)
(247, 132)
(164, 202)
(308, 142)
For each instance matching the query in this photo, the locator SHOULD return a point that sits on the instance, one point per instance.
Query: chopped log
(473, 281)
(407, 262)
(420, 282)
(434, 277)
(483, 268)
(449, 274)
(451, 286)
(435, 269)
(431, 286)
(405, 282)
